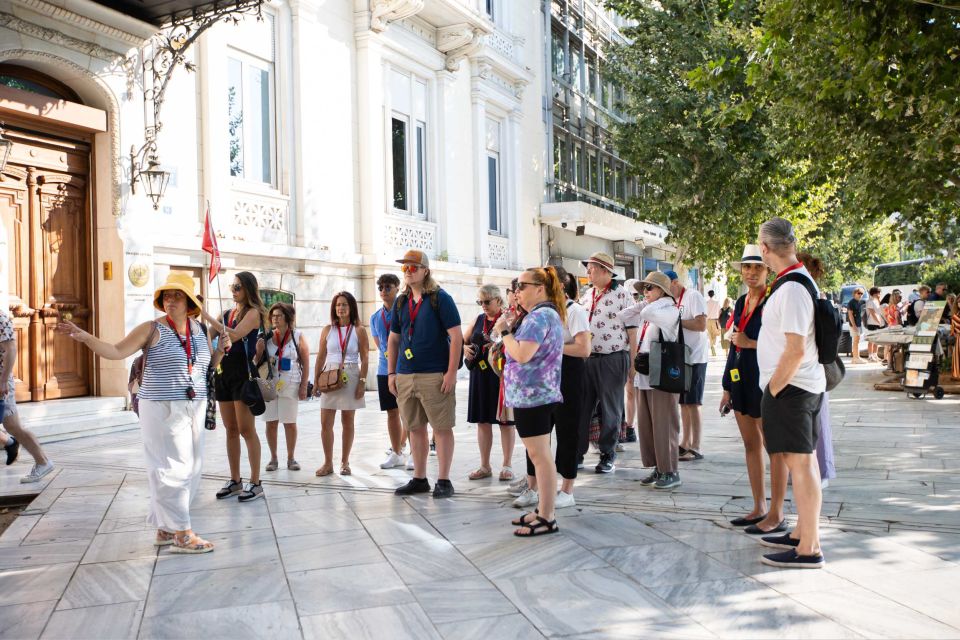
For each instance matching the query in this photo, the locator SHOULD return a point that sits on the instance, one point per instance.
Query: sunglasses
(649, 287)
(636, 295)
(384, 287)
(523, 285)
(236, 288)
(409, 268)
(483, 303)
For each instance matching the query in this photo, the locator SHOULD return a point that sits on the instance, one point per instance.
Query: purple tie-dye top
(537, 382)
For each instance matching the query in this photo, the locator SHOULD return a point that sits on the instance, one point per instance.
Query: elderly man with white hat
(609, 363)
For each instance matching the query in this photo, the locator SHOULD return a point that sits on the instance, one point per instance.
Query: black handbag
(250, 393)
(642, 363)
(668, 363)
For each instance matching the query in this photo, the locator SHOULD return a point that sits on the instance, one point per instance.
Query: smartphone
(725, 410)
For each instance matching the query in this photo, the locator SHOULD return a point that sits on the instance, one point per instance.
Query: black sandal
(520, 522)
(540, 527)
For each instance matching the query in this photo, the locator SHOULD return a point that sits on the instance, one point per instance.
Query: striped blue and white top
(165, 377)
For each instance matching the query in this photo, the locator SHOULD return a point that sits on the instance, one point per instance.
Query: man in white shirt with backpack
(793, 383)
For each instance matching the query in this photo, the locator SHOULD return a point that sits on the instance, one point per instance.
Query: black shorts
(228, 386)
(534, 421)
(746, 396)
(388, 401)
(791, 421)
(698, 379)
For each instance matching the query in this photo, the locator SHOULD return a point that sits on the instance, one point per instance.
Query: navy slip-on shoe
(792, 560)
(746, 522)
(780, 542)
(754, 530)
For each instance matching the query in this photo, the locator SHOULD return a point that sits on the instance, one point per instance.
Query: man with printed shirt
(388, 286)
(612, 348)
(693, 317)
(423, 355)
(793, 383)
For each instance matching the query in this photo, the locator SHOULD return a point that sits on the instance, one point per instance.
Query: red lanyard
(745, 319)
(680, 301)
(343, 340)
(386, 323)
(488, 328)
(414, 311)
(185, 344)
(596, 299)
(643, 333)
(792, 267)
(280, 343)
(232, 322)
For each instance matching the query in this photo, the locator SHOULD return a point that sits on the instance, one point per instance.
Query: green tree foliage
(944, 271)
(841, 116)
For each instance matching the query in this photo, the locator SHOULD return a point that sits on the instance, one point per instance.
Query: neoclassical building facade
(324, 137)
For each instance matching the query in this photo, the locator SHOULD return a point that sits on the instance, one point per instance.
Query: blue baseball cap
(671, 274)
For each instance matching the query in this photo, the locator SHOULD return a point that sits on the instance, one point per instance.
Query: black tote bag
(669, 371)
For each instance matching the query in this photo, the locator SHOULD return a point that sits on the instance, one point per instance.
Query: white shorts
(10, 402)
(285, 407)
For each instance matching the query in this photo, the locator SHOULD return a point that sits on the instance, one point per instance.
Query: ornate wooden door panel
(61, 207)
(15, 213)
(44, 207)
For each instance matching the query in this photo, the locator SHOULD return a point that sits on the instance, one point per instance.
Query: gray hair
(777, 234)
(492, 291)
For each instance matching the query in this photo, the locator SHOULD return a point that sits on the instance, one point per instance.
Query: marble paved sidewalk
(341, 557)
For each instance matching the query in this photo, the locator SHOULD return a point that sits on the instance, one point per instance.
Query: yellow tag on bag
(483, 365)
(343, 377)
(280, 385)
(409, 354)
(735, 375)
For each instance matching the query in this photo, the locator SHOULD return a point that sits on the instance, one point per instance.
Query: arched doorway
(46, 214)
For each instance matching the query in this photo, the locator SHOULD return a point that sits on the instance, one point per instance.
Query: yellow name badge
(483, 365)
(343, 377)
(280, 385)
(408, 354)
(735, 375)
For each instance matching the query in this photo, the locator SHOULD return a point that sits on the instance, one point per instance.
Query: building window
(399, 149)
(490, 9)
(251, 105)
(408, 146)
(493, 190)
(556, 55)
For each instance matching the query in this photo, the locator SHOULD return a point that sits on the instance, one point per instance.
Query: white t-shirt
(713, 309)
(577, 321)
(790, 310)
(692, 305)
(877, 317)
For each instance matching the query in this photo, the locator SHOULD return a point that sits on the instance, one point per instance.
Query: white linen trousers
(173, 436)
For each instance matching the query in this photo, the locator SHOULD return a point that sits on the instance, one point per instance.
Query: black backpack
(435, 305)
(828, 327)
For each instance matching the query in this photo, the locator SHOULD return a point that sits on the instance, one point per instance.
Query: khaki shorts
(421, 401)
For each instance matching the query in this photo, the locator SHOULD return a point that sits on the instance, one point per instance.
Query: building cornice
(121, 28)
(56, 37)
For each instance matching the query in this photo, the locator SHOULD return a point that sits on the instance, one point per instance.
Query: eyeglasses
(409, 268)
(384, 287)
(236, 288)
(173, 295)
(636, 295)
(649, 287)
(523, 285)
(483, 303)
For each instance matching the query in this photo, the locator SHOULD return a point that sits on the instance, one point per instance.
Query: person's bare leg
(779, 476)
(508, 440)
(248, 430)
(806, 493)
(327, 418)
(347, 419)
(290, 435)
(420, 450)
(752, 435)
(484, 443)
(25, 437)
(695, 420)
(445, 442)
(272, 438)
(395, 430)
(539, 449)
(687, 435)
(229, 417)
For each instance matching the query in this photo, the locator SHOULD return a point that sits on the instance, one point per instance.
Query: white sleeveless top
(334, 357)
(290, 351)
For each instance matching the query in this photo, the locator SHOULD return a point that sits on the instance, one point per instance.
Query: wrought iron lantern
(153, 178)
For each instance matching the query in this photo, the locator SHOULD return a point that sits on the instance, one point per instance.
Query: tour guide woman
(242, 324)
(532, 383)
(173, 403)
(741, 380)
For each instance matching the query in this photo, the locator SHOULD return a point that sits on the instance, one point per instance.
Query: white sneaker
(410, 465)
(824, 483)
(565, 500)
(37, 472)
(528, 498)
(518, 487)
(393, 460)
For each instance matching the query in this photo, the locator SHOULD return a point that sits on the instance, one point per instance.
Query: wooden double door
(44, 205)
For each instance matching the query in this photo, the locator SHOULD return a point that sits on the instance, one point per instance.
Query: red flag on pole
(210, 245)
